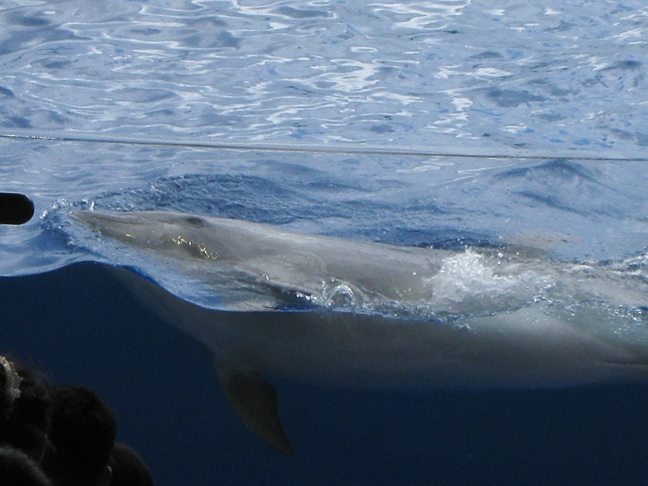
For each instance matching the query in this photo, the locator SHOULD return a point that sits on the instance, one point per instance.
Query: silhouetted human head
(128, 468)
(26, 406)
(81, 438)
(18, 469)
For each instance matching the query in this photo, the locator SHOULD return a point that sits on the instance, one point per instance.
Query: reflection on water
(453, 73)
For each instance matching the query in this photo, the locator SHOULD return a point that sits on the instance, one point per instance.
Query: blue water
(541, 75)
(411, 123)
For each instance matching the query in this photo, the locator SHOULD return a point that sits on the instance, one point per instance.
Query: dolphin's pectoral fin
(255, 402)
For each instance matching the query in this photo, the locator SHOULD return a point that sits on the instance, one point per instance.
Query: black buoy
(15, 208)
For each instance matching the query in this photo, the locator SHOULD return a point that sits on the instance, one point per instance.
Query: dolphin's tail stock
(255, 402)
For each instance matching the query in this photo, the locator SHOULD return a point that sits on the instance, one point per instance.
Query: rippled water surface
(452, 73)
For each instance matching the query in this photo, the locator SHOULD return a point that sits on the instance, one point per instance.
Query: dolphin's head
(159, 230)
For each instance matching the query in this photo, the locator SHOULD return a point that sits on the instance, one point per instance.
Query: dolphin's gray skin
(387, 316)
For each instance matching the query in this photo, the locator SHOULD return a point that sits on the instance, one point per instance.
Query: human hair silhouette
(128, 468)
(81, 439)
(25, 402)
(18, 469)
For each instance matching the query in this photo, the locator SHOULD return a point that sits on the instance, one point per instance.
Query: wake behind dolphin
(387, 316)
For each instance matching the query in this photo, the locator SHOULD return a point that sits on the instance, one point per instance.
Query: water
(447, 124)
(454, 73)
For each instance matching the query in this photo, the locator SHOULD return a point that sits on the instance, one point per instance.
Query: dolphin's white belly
(524, 348)
(521, 349)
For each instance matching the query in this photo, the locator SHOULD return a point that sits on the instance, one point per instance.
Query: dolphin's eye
(195, 221)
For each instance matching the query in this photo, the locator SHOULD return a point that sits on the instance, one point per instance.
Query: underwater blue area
(448, 125)
(164, 392)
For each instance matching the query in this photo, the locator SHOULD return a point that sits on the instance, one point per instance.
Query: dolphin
(338, 312)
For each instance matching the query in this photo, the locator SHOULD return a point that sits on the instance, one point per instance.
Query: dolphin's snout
(84, 217)
(93, 219)
(116, 226)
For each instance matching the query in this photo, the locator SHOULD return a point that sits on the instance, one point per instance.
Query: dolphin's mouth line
(90, 218)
